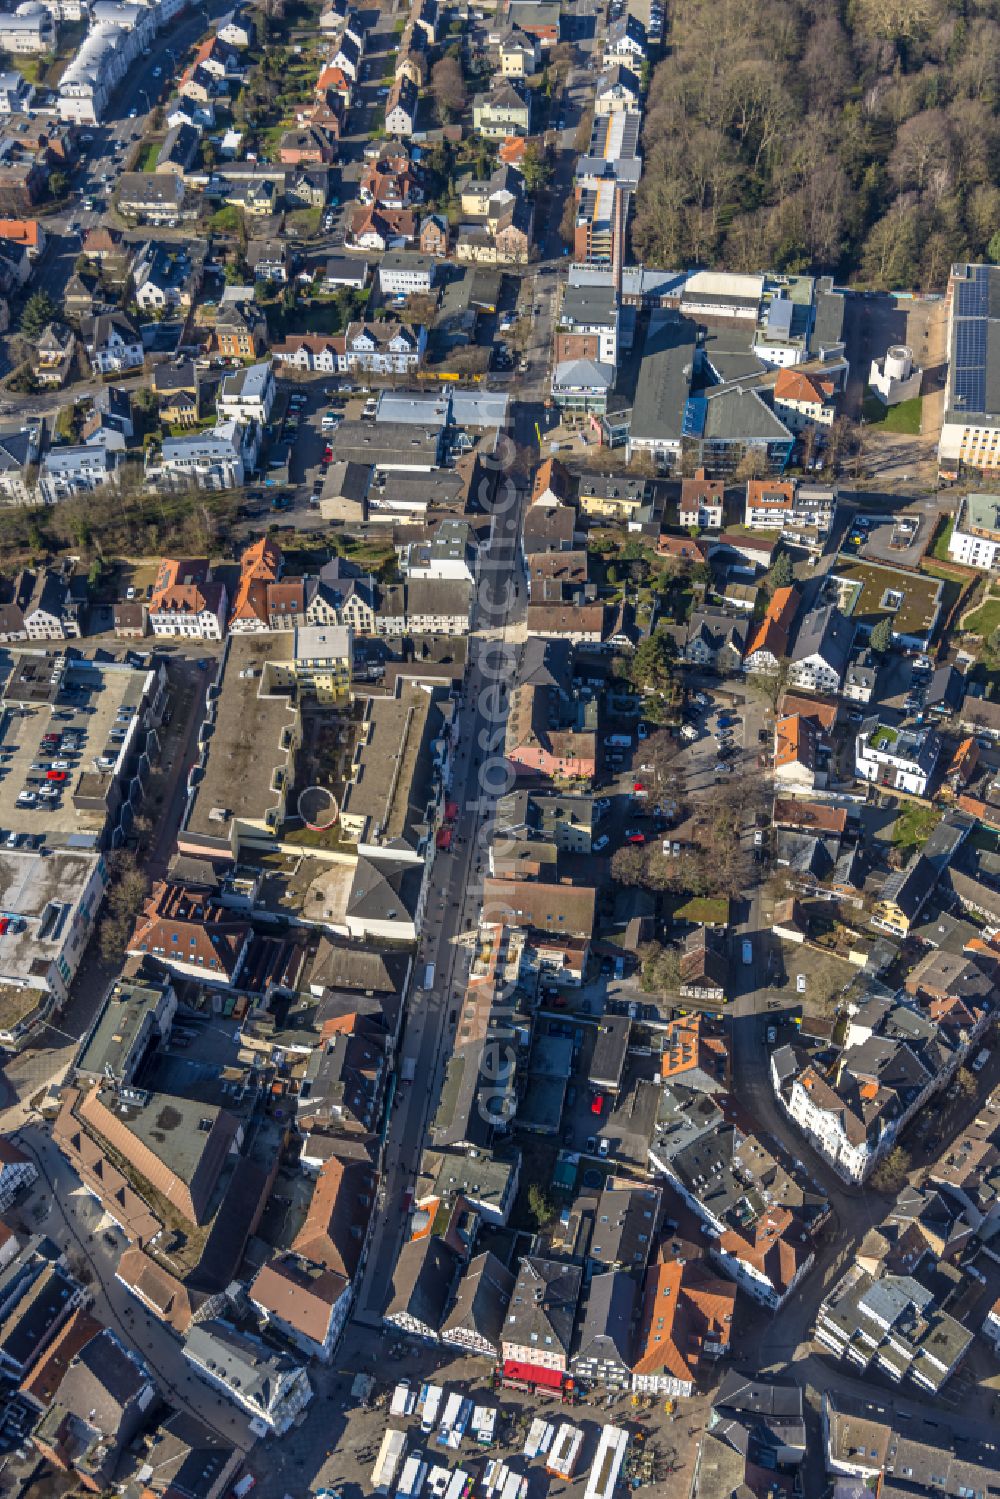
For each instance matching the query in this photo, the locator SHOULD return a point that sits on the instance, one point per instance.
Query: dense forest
(799, 136)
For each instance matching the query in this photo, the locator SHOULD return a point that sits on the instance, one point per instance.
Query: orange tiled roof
(821, 715)
(512, 150)
(816, 816)
(333, 1232)
(772, 633)
(794, 742)
(792, 385)
(333, 78)
(773, 1246)
(45, 1378)
(551, 475)
(20, 232)
(683, 1307)
(260, 565)
(771, 492)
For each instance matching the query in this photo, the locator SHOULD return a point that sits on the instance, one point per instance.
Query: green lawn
(942, 537)
(303, 222)
(914, 825)
(225, 220)
(148, 153)
(307, 317)
(904, 418)
(984, 620)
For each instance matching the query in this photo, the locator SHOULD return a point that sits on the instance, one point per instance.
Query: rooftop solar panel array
(969, 352)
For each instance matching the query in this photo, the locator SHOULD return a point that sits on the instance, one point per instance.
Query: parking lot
(50, 744)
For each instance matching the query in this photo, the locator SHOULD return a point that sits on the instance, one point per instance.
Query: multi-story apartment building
(970, 428)
(975, 539)
(903, 759)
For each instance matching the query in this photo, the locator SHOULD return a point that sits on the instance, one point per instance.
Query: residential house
(401, 107)
(903, 759)
(552, 484)
(406, 275)
(505, 110)
(686, 1324)
(804, 402)
(520, 54)
(538, 1330)
(701, 502)
(894, 1324)
(22, 234)
(434, 236)
(269, 260)
(617, 91)
(218, 458)
(305, 1303)
(186, 601)
(821, 651)
(615, 498)
(77, 469)
(185, 1459)
(391, 181)
(703, 968)
(53, 355)
(103, 1400)
(308, 145)
(384, 348)
(382, 229)
(907, 890)
(625, 44)
(975, 537)
(261, 566)
(180, 149)
(240, 329)
(247, 394)
(270, 1386)
(795, 757)
(165, 277)
(17, 1172)
(54, 607)
(421, 1288)
(190, 934)
(803, 513)
(112, 343)
(151, 197)
(602, 1354)
(18, 462)
(768, 648)
(476, 1319)
(716, 639)
(860, 677)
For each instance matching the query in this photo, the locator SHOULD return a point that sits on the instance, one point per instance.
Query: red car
(635, 837)
(597, 1103)
(638, 786)
(55, 775)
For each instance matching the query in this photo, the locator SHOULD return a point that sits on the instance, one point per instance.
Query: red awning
(551, 1379)
(450, 811)
(443, 839)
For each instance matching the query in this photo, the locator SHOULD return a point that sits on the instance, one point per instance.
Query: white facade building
(902, 759)
(975, 540)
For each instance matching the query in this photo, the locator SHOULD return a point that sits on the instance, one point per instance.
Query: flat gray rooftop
(246, 746)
